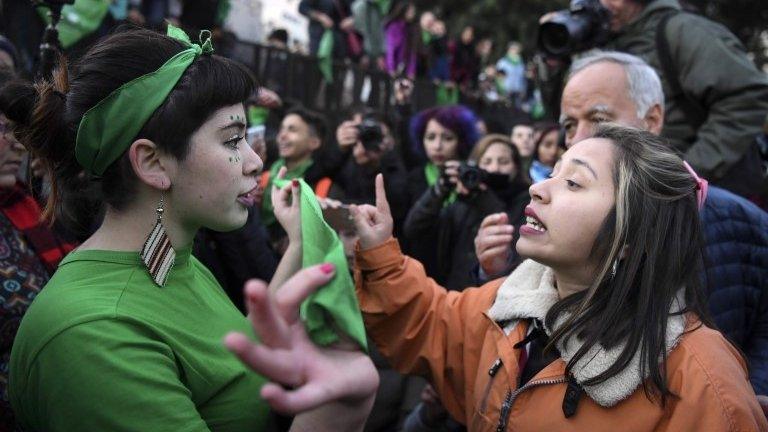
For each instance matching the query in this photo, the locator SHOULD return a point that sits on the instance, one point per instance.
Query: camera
(584, 25)
(471, 176)
(370, 134)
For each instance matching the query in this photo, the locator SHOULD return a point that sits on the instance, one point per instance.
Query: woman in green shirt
(128, 334)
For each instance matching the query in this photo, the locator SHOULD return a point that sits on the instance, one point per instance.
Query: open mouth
(534, 223)
(248, 199)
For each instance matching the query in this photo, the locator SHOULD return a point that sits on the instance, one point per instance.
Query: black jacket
(447, 233)
(237, 256)
(359, 185)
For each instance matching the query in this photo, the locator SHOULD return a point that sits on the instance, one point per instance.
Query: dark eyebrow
(234, 124)
(585, 165)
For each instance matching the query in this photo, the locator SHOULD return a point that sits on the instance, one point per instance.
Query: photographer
(491, 181)
(715, 97)
(367, 138)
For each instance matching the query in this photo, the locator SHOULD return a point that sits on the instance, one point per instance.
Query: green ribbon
(108, 129)
(334, 307)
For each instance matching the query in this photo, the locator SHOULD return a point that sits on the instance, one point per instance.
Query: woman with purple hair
(440, 136)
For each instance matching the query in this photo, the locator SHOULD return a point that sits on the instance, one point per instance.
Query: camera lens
(555, 38)
(370, 134)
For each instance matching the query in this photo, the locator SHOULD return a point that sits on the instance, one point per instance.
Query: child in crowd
(546, 153)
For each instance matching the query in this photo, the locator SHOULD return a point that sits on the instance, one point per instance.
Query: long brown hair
(653, 233)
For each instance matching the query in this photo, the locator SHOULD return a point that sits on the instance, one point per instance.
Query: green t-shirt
(102, 348)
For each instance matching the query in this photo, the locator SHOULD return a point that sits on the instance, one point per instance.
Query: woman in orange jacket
(601, 329)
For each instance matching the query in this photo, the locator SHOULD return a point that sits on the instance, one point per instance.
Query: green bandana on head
(108, 129)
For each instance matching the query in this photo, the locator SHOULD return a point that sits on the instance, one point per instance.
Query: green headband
(108, 129)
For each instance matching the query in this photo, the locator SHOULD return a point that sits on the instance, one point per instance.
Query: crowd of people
(396, 37)
(169, 225)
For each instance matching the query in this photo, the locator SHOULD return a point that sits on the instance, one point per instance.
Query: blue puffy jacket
(736, 233)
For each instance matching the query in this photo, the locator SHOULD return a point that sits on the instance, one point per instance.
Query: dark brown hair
(653, 231)
(49, 130)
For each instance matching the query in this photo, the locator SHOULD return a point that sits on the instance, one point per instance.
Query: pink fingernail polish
(295, 183)
(327, 268)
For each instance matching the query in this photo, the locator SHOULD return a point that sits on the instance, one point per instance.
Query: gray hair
(644, 83)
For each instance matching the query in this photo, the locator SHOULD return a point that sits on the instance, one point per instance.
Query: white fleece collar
(529, 292)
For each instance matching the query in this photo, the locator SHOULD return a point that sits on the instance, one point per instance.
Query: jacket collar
(529, 292)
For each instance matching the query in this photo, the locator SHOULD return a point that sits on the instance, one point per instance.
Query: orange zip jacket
(455, 340)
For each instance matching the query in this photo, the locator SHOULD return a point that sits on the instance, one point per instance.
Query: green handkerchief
(325, 55)
(78, 20)
(334, 307)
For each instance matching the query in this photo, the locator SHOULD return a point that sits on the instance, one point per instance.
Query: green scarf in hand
(333, 308)
(267, 210)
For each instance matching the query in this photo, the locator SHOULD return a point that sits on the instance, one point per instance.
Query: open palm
(303, 375)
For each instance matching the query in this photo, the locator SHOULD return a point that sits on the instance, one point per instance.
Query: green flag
(333, 307)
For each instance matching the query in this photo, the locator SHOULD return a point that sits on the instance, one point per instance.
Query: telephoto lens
(585, 25)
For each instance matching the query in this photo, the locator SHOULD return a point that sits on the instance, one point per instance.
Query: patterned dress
(22, 276)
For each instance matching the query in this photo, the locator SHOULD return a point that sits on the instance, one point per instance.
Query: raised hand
(403, 88)
(346, 135)
(303, 376)
(373, 224)
(493, 243)
(285, 202)
(268, 99)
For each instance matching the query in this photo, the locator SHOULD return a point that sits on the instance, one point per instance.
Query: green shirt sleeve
(130, 383)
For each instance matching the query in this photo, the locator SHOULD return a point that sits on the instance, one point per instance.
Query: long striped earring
(158, 254)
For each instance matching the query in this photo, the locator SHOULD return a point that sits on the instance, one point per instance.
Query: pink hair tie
(701, 186)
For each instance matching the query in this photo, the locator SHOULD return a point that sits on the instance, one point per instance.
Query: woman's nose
(540, 191)
(252, 163)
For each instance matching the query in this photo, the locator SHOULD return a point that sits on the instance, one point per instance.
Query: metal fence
(297, 77)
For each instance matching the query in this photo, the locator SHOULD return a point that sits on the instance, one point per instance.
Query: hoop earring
(158, 254)
(614, 268)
